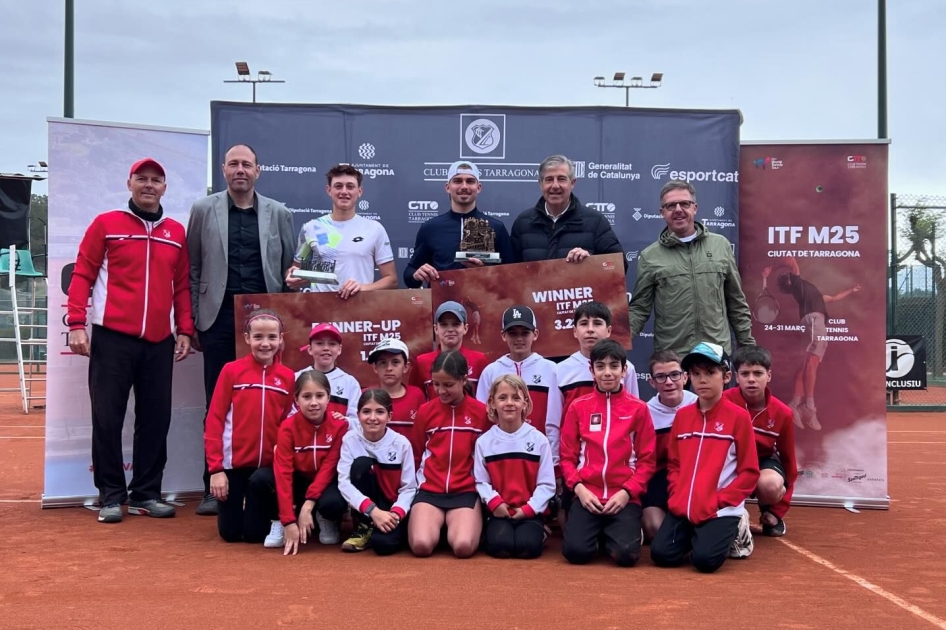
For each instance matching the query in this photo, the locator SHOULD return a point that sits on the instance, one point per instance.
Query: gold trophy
(479, 242)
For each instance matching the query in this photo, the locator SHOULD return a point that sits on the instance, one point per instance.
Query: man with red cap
(134, 263)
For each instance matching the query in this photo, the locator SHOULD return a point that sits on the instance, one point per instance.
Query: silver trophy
(478, 241)
(313, 267)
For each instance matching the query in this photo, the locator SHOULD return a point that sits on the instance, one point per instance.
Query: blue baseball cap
(451, 307)
(705, 350)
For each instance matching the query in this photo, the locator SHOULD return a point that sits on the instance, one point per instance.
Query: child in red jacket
(712, 468)
(251, 398)
(445, 432)
(607, 456)
(303, 478)
(774, 430)
(390, 359)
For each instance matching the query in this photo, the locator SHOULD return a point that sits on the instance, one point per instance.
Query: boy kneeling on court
(607, 457)
(712, 468)
(774, 431)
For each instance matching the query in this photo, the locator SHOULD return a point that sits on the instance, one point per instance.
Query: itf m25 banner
(813, 259)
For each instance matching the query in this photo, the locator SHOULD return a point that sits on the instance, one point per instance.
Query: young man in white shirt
(354, 244)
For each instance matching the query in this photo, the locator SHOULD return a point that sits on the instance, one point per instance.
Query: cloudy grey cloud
(800, 70)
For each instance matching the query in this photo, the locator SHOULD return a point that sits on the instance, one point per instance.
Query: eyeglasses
(684, 205)
(673, 376)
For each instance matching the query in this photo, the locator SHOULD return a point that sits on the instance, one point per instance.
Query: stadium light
(635, 83)
(243, 76)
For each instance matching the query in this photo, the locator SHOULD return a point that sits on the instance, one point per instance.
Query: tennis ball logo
(900, 358)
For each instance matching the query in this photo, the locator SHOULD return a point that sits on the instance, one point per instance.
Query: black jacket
(438, 241)
(535, 237)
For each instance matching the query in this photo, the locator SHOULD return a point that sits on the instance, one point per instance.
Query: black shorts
(658, 491)
(447, 501)
(774, 463)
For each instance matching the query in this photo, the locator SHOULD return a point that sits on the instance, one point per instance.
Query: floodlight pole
(68, 75)
(881, 69)
(655, 82)
(243, 76)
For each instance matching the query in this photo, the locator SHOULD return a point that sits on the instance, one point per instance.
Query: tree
(924, 226)
(39, 219)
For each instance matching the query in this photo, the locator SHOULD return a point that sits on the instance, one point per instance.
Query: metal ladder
(32, 368)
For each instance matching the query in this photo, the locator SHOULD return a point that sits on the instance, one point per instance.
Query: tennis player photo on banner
(817, 228)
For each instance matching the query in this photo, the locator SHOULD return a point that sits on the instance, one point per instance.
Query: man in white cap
(438, 240)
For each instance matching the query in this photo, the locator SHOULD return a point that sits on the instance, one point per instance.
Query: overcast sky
(804, 69)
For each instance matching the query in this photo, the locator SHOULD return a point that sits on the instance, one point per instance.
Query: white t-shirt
(356, 246)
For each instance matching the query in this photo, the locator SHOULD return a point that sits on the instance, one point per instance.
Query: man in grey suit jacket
(239, 242)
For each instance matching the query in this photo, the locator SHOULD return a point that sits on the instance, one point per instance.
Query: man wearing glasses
(689, 279)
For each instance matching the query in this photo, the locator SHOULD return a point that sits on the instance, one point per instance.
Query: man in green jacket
(689, 279)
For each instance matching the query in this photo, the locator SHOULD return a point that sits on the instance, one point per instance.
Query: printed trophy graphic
(478, 241)
(313, 267)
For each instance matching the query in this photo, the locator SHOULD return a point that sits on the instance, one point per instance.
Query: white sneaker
(742, 547)
(276, 539)
(811, 416)
(796, 416)
(328, 530)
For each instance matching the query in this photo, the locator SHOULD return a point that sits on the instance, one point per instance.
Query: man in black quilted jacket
(559, 225)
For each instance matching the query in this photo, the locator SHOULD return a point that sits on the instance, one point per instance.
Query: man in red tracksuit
(607, 456)
(134, 263)
(712, 468)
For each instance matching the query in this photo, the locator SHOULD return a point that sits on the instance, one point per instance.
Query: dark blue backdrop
(623, 156)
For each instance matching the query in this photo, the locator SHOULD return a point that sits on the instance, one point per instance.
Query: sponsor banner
(404, 153)
(809, 265)
(906, 362)
(363, 320)
(555, 289)
(88, 173)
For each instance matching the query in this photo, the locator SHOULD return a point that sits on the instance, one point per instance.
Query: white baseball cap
(393, 346)
(462, 167)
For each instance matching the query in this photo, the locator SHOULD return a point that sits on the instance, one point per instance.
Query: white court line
(19, 500)
(916, 442)
(873, 588)
(916, 431)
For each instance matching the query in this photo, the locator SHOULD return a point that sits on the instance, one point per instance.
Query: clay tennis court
(62, 569)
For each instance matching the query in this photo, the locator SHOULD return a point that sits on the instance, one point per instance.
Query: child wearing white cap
(391, 361)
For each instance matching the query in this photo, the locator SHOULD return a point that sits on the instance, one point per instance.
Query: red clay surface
(62, 569)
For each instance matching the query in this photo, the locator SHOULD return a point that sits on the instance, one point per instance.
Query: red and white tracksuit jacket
(774, 435)
(515, 469)
(608, 444)
(424, 363)
(443, 444)
(136, 271)
(249, 402)
(302, 448)
(344, 394)
(712, 466)
(394, 470)
(404, 410)
(662, 416)
(541, 379)
(575, 379)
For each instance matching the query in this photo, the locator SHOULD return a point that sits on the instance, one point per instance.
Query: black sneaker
(207, 507)
(776, 531)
